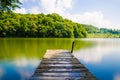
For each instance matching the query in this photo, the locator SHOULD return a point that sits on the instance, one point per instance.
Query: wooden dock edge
(61, 65)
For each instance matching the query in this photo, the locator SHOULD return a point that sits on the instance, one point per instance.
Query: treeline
(39, 25)
(50, 25)
(101, 32)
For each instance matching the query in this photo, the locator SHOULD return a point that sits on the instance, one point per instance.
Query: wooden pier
(61, 65)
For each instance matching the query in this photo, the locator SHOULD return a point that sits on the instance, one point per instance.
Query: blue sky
(101, 13)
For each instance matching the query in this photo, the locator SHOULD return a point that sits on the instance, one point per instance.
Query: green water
(11, 48)
(19, 57)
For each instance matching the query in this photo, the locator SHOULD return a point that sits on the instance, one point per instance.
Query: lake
(19, 57)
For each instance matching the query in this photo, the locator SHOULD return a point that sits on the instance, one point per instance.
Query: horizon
(99, 13)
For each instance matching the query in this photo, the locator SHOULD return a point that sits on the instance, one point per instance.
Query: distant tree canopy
(94, 32)
(39, 25)
(92, 29)
(9, 5)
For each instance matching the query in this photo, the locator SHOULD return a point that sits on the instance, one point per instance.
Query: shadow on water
(21, 56)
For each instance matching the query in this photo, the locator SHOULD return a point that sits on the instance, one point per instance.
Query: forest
(39, 25)
(45, 26)
(95, 32)
(49, 26)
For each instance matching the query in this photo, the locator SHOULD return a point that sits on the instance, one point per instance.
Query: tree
(9, 5)
(39, 25)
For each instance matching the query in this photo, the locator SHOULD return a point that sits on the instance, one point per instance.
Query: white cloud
(62, 7)
(48, 6)
(34, 10)
(55, 6)
(23, 62)
(67, 3)
(117, 77)
(34, 62)
(21, 10)
(1, 71)
(27, 0)
(24, 73)
(95, 18)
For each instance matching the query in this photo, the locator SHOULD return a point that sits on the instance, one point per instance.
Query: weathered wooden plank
(56, 78)
(55, 64)
(61, 65)
(59, 59)
(61, 78)
(51, 53)
(68, 67)
(60, 62)
(61, 70)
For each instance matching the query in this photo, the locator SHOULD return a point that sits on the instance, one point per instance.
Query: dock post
(72, 47)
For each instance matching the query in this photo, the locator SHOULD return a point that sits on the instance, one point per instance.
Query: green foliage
(39, 25)
(103, 35)
(91, 29)
(9, 5)
(104, 30)
(94, 32)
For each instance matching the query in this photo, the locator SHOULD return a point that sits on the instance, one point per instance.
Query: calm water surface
(19, 57)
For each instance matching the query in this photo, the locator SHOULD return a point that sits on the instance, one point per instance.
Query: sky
(100, 13)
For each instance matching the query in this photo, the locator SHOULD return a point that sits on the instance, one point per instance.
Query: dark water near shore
(19, 57)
